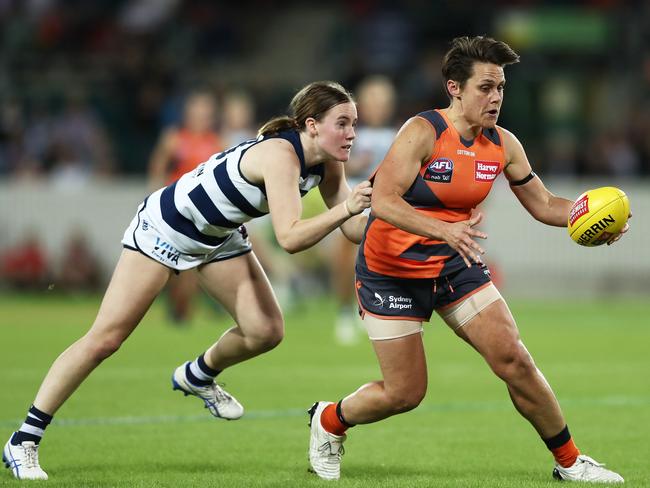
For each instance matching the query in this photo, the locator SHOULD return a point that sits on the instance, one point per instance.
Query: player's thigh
(135, 283)
(492, 332)
(242, 287)
(402, 362)
(186, 282)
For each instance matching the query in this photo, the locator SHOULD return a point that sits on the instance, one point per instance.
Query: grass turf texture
(126, 428)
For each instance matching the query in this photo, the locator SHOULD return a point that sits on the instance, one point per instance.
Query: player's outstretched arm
(529, 189)
(281, 171)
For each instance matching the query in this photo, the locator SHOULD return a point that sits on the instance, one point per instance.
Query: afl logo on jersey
(439, 170)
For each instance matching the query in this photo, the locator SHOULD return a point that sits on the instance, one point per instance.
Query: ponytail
(278, 124)
(313, 100)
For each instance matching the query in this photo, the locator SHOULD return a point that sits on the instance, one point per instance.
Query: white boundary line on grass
(613, 401)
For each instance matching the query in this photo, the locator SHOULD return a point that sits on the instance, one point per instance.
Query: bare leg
(342, 269)
(403, 366)
(495, 336)
(241, 286)
(135, 283)
(182, 289)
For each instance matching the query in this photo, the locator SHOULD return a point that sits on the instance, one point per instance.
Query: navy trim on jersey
(421, 195)
(436, 120)
(209, 210)
(232, 193)
(182, 224)
(492, 135)
(422, 252)
(466, 142)
(294, 138)
(252, 143)
(317, 170)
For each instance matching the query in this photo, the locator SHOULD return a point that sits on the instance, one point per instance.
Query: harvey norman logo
(485, 170)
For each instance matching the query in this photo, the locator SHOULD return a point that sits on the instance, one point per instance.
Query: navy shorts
(416, 299)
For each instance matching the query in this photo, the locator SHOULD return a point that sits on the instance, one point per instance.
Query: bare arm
(412, 146)
(533, 195)
(281, 172)
(335, 190)
(161, 159)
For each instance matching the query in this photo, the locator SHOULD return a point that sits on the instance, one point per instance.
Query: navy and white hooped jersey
(202, 208)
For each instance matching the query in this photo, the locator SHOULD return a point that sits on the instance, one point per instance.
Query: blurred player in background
(196, 222)
(180, 150)
(237, 118)
(419, 255)
(376, 101)
(238, 125)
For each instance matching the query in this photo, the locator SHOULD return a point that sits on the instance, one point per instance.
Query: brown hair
(458, 63)
(313, 100)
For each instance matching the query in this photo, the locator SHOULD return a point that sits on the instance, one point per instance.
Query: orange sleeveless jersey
(191, 150)
(455, 179)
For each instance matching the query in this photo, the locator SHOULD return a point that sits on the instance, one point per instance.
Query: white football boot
(588, 470)
(220, 403)
(23, 461)
(325, 449)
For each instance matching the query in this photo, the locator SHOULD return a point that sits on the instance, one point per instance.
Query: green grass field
(125, 427)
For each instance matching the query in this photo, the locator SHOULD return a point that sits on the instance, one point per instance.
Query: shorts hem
(464, 297)
(216, 260)
(421, 331)
(394, 317)
(138, 250)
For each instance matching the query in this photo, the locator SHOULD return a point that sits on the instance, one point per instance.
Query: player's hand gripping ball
(597, 215)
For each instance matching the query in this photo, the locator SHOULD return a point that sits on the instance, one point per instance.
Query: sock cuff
(339, 414)
(39, 414)
(19, 437)
(200, 361)
(558, 440)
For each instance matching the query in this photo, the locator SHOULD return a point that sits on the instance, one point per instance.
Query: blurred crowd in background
(100, 89)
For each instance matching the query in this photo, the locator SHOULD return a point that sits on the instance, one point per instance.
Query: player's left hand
(616, 237)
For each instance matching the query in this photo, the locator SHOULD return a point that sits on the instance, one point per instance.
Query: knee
(268, 337)
(514, 364)
(405, 399)
(102, 347)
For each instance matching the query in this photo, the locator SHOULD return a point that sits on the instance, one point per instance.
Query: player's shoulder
(507, 134)
(276, 146)
(274, 150)
(417, 127)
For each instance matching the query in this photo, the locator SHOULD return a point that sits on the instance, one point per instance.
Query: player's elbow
(289, 244)
(380, 207)
(548, 217)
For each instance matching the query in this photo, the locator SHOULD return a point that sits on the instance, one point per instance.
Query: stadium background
(86, 89)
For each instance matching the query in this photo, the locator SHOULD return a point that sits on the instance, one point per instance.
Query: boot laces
(31, 455)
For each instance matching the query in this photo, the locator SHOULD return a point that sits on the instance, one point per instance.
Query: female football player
(419, 255)
(196, 222)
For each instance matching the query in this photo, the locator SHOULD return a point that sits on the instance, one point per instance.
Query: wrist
(347, 208)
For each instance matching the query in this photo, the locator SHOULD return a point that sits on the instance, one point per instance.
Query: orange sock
(331, 422)
(566, 454)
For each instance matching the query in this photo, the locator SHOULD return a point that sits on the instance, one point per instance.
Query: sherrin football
(598, 214)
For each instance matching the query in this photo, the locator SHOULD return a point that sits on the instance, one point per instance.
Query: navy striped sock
(199, 373)
(33, 428)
